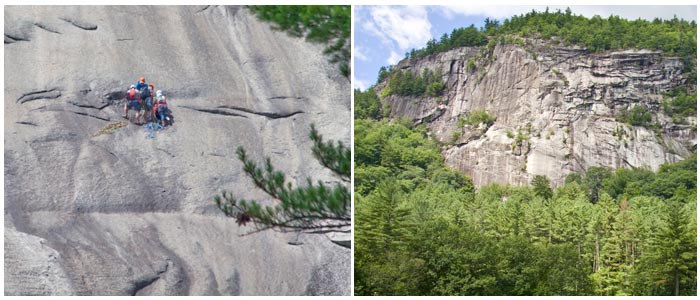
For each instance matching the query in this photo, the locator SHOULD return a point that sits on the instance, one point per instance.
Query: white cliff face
(566, 97)
(120, 214)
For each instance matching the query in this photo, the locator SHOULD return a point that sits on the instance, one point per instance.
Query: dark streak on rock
(55, 138)
(26, 123)
(166, 152)
(80, 24)
(269, 115)
(105, 149)
(125, 39)
(43, 94)
(99, 106)
(142, 284)
(215, 111)
(203, 9)
(90, 115)
(9, 39)
(284, 97)
(115, 95)
(47, 28)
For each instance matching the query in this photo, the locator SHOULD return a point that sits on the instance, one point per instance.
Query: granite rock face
(565, 97)
(122, 214)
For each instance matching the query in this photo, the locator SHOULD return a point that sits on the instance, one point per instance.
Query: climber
(147, 100)
(160, 109)
(150, 103)
(141, 83)
(133, 100)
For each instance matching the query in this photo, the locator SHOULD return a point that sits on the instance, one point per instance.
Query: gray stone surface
(120, 214)
(569, 98)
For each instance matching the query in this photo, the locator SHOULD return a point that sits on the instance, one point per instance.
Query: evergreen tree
(674, 253)
(541, 186)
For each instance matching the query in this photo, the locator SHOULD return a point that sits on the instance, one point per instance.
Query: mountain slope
(565, 101)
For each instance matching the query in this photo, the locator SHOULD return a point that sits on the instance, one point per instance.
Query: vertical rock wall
(565, 97)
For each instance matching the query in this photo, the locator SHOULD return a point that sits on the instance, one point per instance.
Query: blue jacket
(139, 85)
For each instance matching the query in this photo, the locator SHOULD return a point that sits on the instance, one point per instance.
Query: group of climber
(140, 98)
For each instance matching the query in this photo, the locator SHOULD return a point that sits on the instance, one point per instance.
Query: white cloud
(357, 54)
(627, 12)
(359, 84)
(498, 12)
(393, 58)
(404, 26)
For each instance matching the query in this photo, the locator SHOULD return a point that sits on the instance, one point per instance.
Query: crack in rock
(26, 123)
(46, 27)
(80, 24)
(43, 94)
(284, 97)
(90, 115)
(166, 152)
(9, 39)
(139, 285)
(98, 106)
(125, 39)
(142, 284)
(203, 9)
(105, 149)
(215, 111)
(269, 115)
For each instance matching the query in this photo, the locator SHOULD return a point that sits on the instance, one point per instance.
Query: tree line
(676, 37)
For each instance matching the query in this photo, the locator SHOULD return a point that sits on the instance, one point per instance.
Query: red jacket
(159, 104)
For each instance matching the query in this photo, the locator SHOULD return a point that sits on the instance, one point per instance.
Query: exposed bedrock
(566, 97)
(96, 208)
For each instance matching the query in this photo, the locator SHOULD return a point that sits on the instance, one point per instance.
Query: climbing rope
(151, 128)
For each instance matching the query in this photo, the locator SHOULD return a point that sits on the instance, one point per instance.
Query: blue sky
(383, 34)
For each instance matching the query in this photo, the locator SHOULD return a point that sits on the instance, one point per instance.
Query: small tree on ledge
(311, 209)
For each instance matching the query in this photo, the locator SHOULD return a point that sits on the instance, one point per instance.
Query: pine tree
(312, 209)
(674, 252)
(541, 186)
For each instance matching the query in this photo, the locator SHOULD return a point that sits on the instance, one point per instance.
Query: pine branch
(314, 208)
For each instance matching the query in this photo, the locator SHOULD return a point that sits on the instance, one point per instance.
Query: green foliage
(460, 37)
(404, 83)
(324, 24)
(455, 136)
(384, 73)
(315, 208)
(540, 185)
(637, 116)
(593, 181)
(476, 117)
(435, 89)
(678, 104)
(520, 138)
(675, 37)
(471, 65)
(367, 105)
